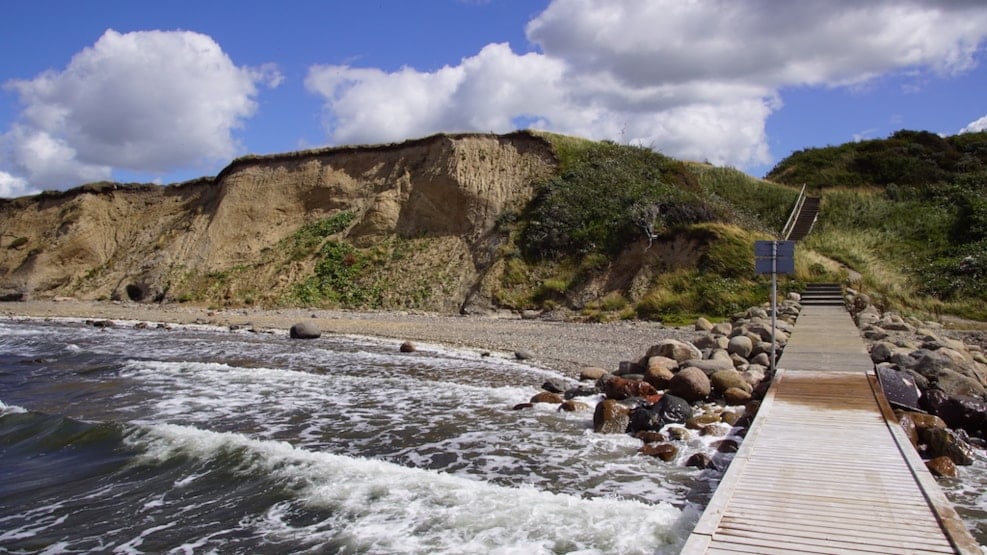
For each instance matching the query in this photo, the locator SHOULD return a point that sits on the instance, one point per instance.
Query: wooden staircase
(804, 220)
(823, 294)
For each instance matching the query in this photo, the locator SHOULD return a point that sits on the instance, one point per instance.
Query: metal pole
(774, 301)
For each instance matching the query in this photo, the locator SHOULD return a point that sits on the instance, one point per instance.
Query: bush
(590, 206)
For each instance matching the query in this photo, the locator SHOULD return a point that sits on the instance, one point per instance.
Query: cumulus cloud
(13, 186)
(976, 126)
(148, 101)
(693, 79)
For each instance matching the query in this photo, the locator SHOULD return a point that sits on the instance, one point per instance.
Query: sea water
(202, 440)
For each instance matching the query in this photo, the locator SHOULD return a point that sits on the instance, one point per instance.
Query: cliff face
(422, 212)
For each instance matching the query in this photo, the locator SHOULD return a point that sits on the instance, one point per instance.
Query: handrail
(787, 230)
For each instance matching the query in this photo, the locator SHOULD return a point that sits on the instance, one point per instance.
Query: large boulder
(735, 396)
(658, 376)
(611, 417)
(305, 330)
(691, 384)
(726, 379)
(619, 388)
(945, 443)
(740, 345)
(673, 409)
(965, 413)
(674, 349)
(709, 366)
(954, 378)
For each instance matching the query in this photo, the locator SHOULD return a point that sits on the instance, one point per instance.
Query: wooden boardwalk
(825, 468)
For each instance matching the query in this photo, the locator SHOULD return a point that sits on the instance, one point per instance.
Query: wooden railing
(793, 217)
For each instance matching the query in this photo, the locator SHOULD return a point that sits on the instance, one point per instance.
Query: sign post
(774, 257)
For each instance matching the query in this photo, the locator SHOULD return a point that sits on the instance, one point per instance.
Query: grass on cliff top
(908, 212)
(920, 256)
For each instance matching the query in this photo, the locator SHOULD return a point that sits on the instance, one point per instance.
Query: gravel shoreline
(563, 346)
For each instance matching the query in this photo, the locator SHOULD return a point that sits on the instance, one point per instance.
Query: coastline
(562, 346)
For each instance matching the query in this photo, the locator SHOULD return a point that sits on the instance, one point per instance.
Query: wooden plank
(855, 525)
(809, 530)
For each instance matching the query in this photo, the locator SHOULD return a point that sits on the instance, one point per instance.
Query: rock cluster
(949, 376)
(708, 386)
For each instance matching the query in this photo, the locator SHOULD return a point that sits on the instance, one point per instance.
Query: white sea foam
(376, 506)
(10, 409)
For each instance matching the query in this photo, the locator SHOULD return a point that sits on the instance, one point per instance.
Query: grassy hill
(908, 212)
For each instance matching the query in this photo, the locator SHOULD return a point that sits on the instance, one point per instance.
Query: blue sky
(169, 91)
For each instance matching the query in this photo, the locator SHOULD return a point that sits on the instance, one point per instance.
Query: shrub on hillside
(595, 203)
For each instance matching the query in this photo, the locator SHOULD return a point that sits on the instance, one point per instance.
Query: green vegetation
(752, 203)
(604, 197)
(909, 213)
(309, 236)
(625, 232)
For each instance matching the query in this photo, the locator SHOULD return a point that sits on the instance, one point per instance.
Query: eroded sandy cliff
(423, 209)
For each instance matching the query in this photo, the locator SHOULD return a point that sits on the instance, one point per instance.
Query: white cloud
(13, 186)
(692, 79)
(976, 126)
(148, 101)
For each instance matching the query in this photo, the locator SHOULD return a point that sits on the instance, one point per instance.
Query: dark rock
(627, 367)
(644, 419)
(690, 384)
(101, 324)
(305, 330)
(673, 409)
(407, 347)
(942, 467)
(610, 417)
(965, 413)
(524, 355)
(701, 461)
(664, 451)
(140, 326)
(580, 391)
(554, 386)
(521, 406)
(547, 397)
(945, 443)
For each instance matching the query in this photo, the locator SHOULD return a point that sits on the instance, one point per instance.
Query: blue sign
(774, 257)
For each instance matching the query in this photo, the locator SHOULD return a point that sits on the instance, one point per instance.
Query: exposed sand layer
(563, 346)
